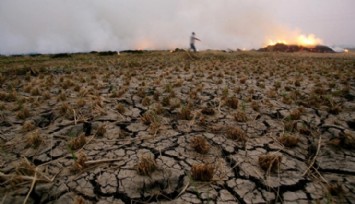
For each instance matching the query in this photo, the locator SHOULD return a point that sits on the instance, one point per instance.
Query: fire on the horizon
(302, 40)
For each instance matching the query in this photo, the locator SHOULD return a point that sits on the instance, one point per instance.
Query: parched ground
(160, 127)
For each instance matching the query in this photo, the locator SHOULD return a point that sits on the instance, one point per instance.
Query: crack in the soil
(336, 171)
(300, 185)
(235, 194)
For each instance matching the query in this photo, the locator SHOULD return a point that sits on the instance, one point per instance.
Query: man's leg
(193, 47)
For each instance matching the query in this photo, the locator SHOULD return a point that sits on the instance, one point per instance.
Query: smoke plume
(41, 26)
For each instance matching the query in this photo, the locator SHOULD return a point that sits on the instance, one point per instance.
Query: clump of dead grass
(208, 111)
(146, 101)
(232, 102)
(35, 91)
(77, 88)
(141, 92)
(64, 109)
(345, 140)
(24, 167)
(62, 96)
(158, 108)
(295, 114)
(202, 172)
(175, 103)
(119, 93)
(303, 128)
(240, 116)
(286, 99)
(185, 113)
(2, 106)
(200, 144)
(8, 97)
(297, 83)
(290, 125)
(101, 131)
(46, 95)
(270, 162)
(146, 165)
(120, 108)
(77, 142)
(289, 140)
(255, 106)
(23, 113)
(79, 162)
(235, 133)
(201, 120)
(81, 102)
(349, 140)
(34, 139)
(335, 189)
(156, 95)
(277, 85)
(243, 79)
(166, 101)
(28, 125)
(79, 200)
(150, 117)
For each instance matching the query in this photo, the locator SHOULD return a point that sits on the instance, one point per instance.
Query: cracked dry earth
(271, 128)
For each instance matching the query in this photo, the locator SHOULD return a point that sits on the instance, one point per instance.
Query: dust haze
(39, 26)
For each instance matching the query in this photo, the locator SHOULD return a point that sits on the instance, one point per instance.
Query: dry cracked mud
(160, 127)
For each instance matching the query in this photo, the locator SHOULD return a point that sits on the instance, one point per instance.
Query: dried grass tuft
(101, 131)
(64, 109)
(150, 117)
(80, 102)
(240, 116)
(120, 108)
(347, 140)
(207, 111)
(28, 125)
(25, 168)
(23, 113)
(243, 80)
(77, 143)
(146, 165)
(146, 101)
(289, 140)
(237, 134)
(295, 114)
(270, 162)
(335, 189)
(232, 102)
(200, 144)
(202, 172)
(8, 97)
(79, 200)
(290, 126)
(79, 163)
(255, 106)
(34, 139)
(185, 113)
(166, 101)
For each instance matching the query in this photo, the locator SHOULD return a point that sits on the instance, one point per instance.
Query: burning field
(161, 127)
(302, 43)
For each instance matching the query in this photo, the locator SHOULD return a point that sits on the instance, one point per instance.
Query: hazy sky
(45, 26)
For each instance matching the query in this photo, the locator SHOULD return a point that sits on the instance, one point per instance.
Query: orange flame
(301, 40)
(308, 41)
(274, 42)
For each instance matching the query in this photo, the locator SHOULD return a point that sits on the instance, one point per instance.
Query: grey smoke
(44, 26)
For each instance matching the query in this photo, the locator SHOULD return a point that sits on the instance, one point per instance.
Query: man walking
(192, 42)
